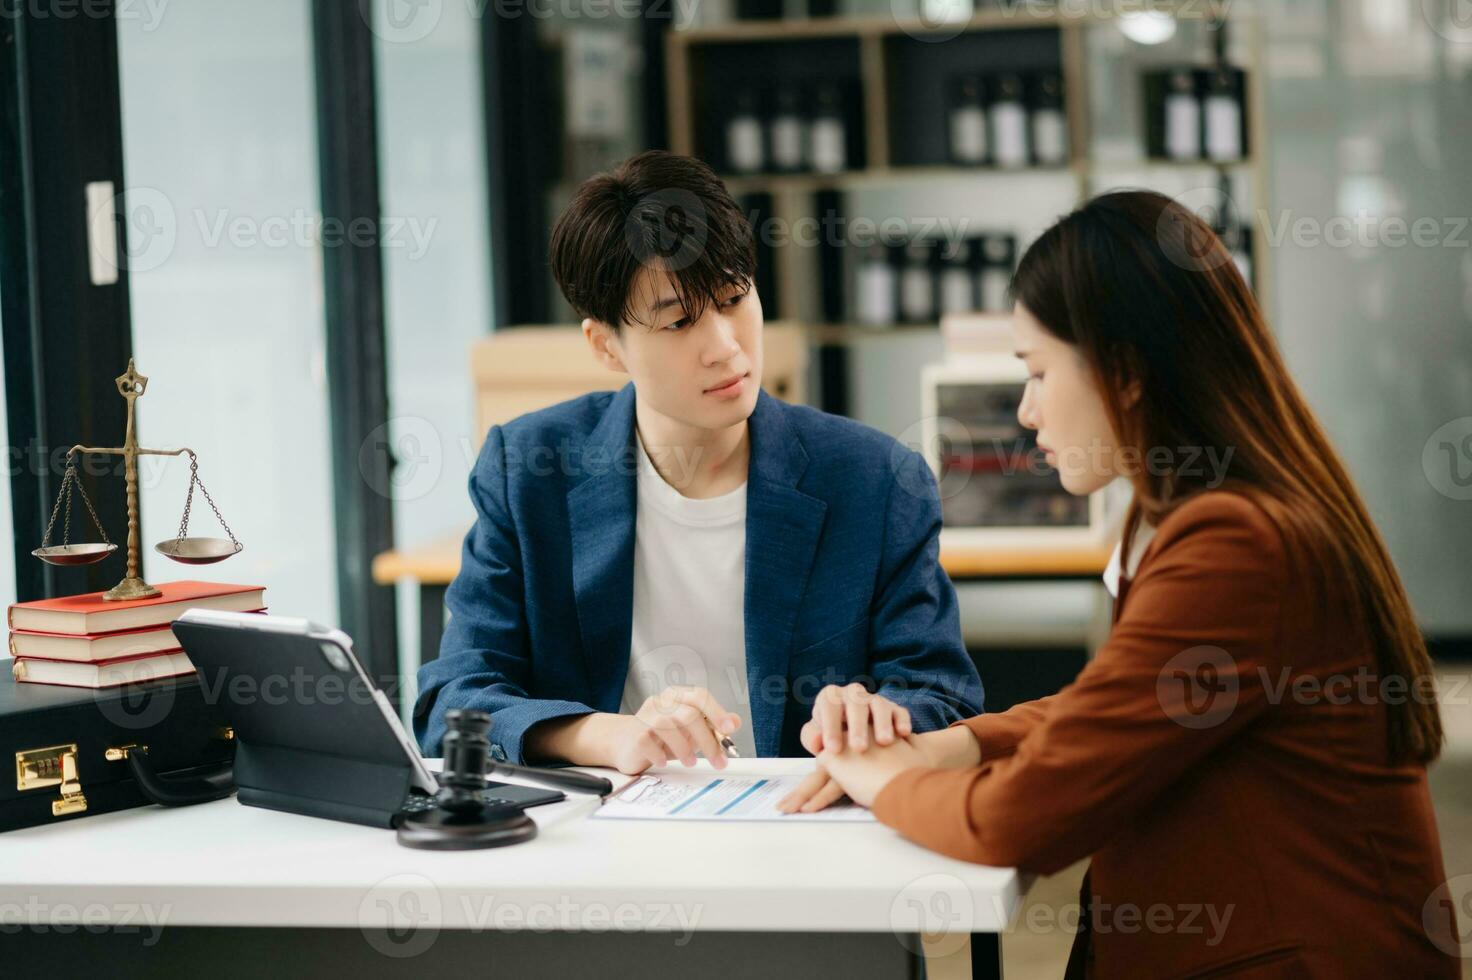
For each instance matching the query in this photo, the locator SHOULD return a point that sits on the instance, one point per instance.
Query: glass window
(436, 260)
(223, 216)
(7, 523)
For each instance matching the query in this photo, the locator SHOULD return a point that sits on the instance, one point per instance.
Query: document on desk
(697, 796)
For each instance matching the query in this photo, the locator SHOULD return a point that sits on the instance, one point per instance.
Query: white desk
(222, 864)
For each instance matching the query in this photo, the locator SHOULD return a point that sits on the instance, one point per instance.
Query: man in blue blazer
(690, 563)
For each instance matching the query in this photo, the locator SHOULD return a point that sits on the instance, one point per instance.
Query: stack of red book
(87, 641)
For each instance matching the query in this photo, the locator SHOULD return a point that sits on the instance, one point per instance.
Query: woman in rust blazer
(1244, 759)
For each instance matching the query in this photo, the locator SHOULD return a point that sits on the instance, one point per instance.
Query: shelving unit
(877, 48)
(843, 333)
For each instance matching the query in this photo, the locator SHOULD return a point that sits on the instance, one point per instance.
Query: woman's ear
(604, 344)
(1127, 382)
(1130, 394)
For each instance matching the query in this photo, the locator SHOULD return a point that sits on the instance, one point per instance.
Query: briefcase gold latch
(55, 765)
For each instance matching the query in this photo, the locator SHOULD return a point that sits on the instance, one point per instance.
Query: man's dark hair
(655, 209)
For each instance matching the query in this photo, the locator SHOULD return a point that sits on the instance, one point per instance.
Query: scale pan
(74, 554)
(197, 551)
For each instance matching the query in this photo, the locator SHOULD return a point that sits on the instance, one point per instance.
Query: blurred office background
(329, 389)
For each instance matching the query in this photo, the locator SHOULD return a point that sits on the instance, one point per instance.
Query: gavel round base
(496, 825)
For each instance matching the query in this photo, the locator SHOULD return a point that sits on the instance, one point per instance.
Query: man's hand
(851, 716)
(676, 723)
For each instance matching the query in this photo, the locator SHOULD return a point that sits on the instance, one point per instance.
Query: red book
(105, 673)
(89, 614)
(94, 649)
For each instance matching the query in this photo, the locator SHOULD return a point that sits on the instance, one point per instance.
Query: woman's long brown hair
(1154, 303)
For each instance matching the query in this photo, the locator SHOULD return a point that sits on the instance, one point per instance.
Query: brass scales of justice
(182, 548)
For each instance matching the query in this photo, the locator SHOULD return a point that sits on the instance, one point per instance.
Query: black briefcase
(78, 751)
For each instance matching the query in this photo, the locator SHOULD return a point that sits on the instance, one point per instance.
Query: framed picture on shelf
(996, 488)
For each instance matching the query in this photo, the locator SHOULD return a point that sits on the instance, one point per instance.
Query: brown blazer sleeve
(1000, 733)
(1203, 615)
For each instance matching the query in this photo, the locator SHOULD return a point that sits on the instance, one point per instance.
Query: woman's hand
(950, 748)
(858, 775)
(850, 715)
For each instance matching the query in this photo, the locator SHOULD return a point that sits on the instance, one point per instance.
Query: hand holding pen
(677, 723)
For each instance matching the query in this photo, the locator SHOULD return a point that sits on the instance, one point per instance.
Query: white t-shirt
(689, 625)
(1119, 568)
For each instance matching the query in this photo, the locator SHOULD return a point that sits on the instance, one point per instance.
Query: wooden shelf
(782, 29)
(1147, 163)
(885, 45)
(975, 563)
(877, 176)
(432, 563)
(844, 333)
(437, 562)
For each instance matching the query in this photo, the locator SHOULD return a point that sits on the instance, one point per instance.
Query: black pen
(568, 779)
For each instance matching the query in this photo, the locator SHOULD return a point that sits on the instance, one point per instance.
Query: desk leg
(986, 956)
(431, 621)
(979, 958)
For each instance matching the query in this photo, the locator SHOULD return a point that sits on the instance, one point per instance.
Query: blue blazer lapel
(601, 511)
(782, 529)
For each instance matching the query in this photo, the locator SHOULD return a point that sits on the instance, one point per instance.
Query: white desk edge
(222, 863)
